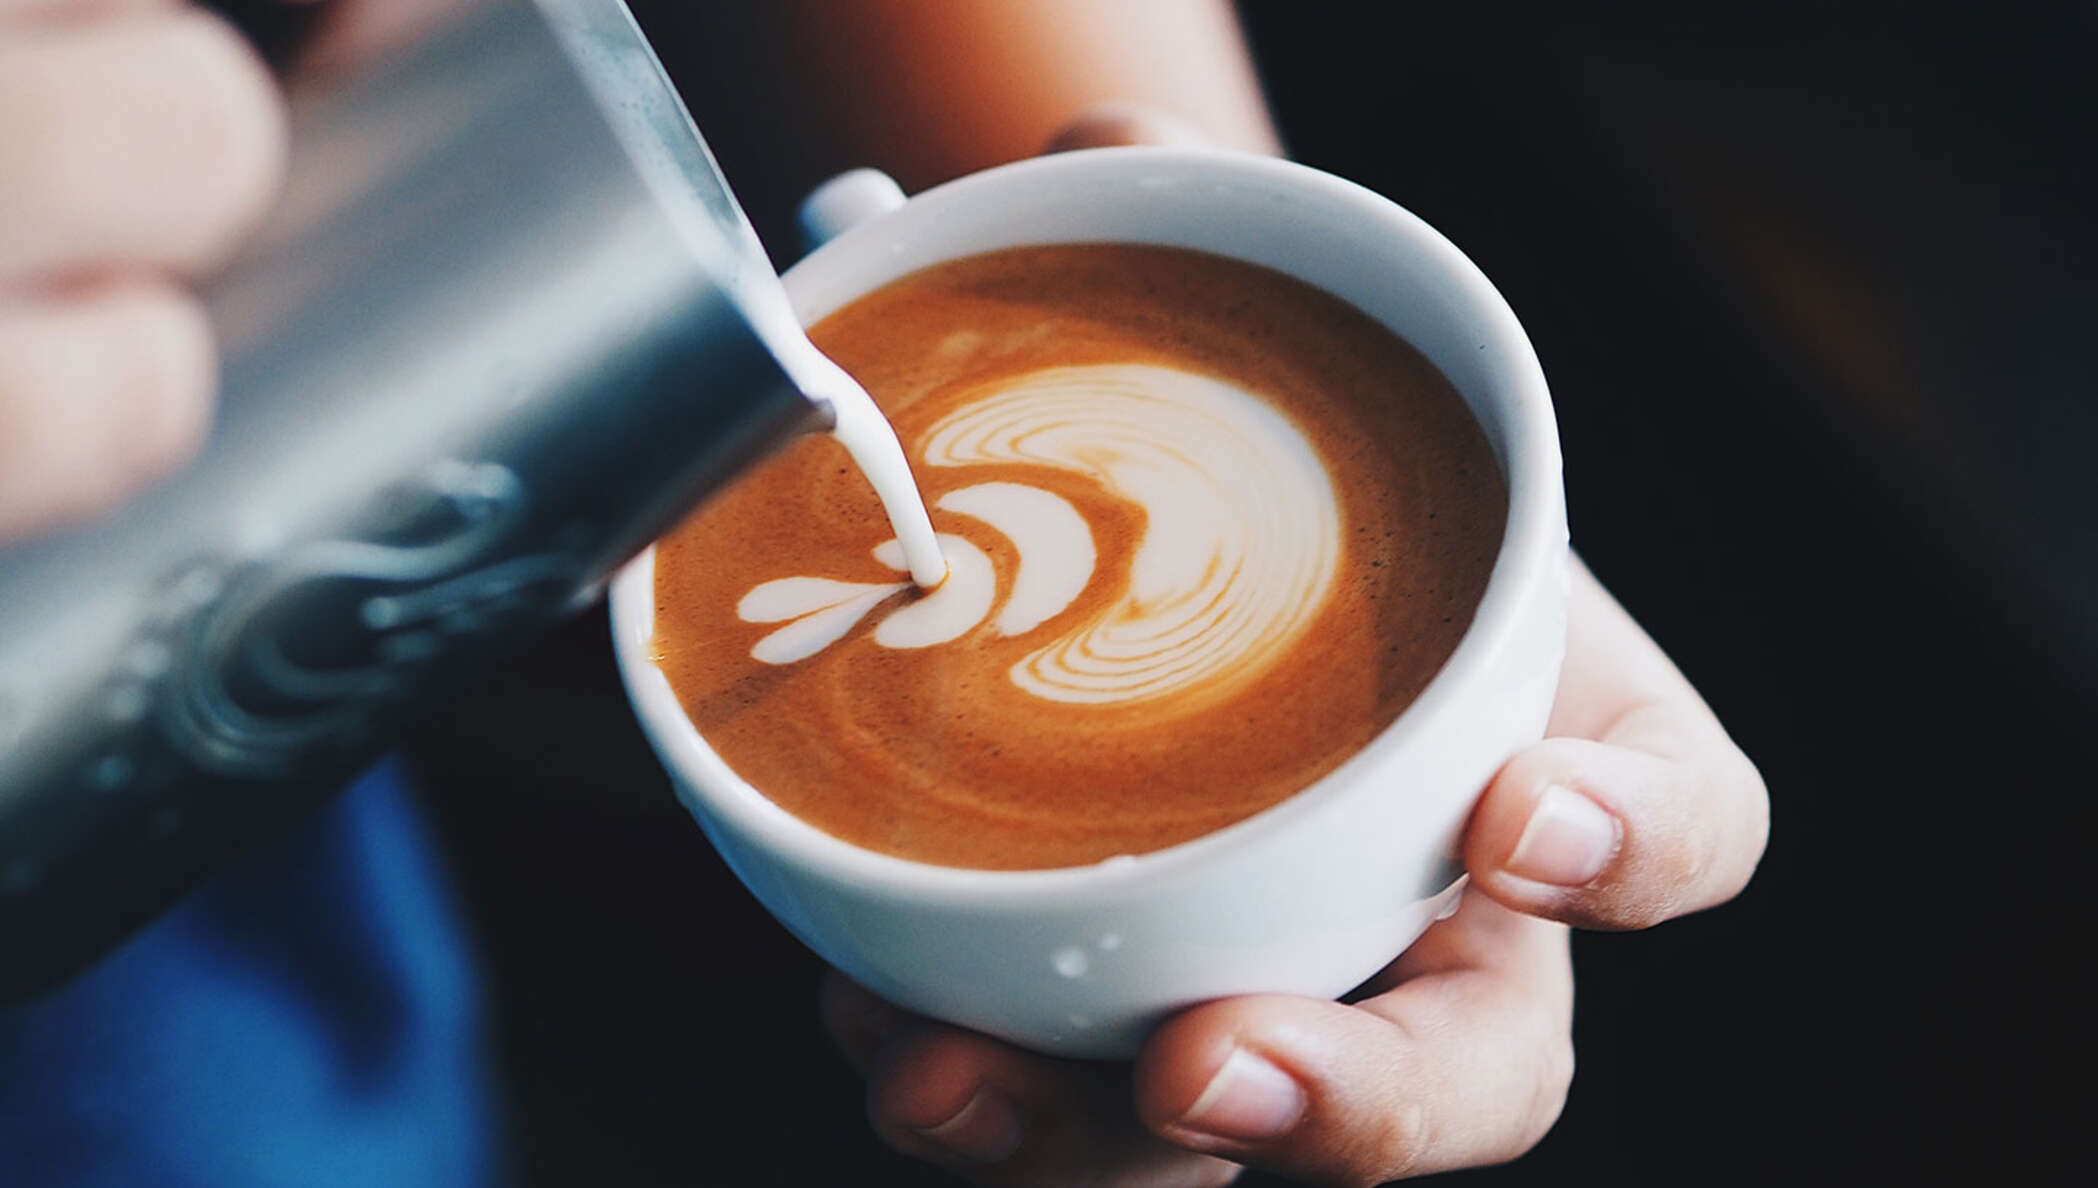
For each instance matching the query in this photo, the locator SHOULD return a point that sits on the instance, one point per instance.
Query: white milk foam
(858, 425)
(1242, 537)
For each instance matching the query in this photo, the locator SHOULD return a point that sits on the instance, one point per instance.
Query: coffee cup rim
(1532, 544)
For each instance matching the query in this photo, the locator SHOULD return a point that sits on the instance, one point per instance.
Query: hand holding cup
(1635, 809)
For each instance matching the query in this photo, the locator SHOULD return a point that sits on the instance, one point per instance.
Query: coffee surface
(1208, 531)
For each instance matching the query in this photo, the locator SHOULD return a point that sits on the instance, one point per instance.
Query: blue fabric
(309, 1019)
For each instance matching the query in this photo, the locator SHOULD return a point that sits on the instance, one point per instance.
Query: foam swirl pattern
(1243, 530)
(1241, 538)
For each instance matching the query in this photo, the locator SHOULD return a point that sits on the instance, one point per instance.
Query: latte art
(1056, 550)
(1242, 534)
(1208, 530)
(1241, 537)
(1055, 545)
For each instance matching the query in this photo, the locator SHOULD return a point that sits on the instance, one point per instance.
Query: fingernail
(1568, 841)
(1248, 1099)
(986, 1130)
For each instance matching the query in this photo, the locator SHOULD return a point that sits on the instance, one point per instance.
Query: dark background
(1813, 290)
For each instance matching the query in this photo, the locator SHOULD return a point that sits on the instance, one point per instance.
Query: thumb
(1464, 1064)
(1643, 810)
(1605, 836)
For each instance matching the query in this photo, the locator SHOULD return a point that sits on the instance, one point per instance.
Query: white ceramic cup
(1311, 896)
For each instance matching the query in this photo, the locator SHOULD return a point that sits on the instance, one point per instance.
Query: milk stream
(866, 435)
(857, 422)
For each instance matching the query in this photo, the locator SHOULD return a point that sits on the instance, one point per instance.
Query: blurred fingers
(1465, 1063)
(102, 388)
(151, 140)
(64, 10)
(858, 1022)
(1646, 811)
(351, 34)
(997, 1115)
(1006, 1117)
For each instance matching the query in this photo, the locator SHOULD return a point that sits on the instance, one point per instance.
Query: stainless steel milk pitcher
(493, 341)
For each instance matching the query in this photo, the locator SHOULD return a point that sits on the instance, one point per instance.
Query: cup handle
(845, 201)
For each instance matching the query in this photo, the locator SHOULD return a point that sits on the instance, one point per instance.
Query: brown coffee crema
(1197, 672)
